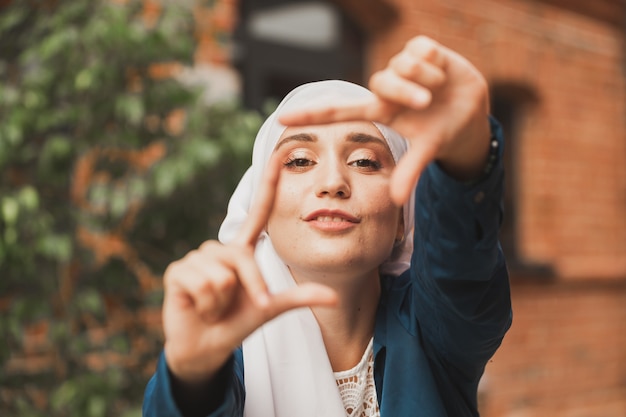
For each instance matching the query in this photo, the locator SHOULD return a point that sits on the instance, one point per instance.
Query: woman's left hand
(432, 96)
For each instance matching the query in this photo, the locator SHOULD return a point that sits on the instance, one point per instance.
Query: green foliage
(88, 152)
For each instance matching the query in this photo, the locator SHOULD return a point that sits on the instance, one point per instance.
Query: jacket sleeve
(460, 282)
(159, 400)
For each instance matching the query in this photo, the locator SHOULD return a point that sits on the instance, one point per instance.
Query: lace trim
(357, 388)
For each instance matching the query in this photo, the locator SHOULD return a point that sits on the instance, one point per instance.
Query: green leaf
(118, 203)
(133, 412)
(57, 42)
(137, 188)
(59, 331)
(98, 195)
(12, 134)
(25, 408)
(78, 346)
(10, 95)
(120, 344)
(3, 252)
(10, 210)
(33, 100)
(58, 147)
(164, 178)
(130, 107)
(15, 327)
(64, 396)
(203, 152)
(90, 301)
(84, 79)
(11, 18)
(10, 235)
(96, 406)
(29, 198)
(56, 246)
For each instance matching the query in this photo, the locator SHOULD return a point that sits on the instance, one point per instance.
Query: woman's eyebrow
(299, 137)
(359, 137)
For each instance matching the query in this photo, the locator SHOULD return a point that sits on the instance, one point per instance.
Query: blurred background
(125, 125)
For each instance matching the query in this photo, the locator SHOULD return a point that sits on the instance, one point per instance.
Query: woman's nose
(332, 181)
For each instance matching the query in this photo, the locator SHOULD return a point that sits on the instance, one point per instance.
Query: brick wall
(564, 356)
(566, 352)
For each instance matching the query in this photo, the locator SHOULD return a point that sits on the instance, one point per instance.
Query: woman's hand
(215, 296)
(432, 96)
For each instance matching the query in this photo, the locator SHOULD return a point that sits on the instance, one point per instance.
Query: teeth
(329, 219)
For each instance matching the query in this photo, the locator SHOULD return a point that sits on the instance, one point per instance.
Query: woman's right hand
(216, 296)
(432, 96)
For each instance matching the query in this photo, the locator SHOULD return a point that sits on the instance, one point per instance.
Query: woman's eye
(366, 163)
(298, 163)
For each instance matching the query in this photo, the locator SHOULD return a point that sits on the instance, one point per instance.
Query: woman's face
(332, 212)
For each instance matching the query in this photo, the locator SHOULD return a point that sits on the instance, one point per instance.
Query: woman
(313, 277)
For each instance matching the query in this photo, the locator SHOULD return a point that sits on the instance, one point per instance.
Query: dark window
(282, 44)
(511, 104)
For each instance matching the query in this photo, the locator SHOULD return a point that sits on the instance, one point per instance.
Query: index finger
(262, 206)
(369, 109)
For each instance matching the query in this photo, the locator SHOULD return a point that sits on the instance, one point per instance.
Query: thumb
(409, 168)
(304, 295)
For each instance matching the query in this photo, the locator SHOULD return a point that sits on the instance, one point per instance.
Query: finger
(262, 206)
(190, 290)
(214, 288)
(371, 109)
(236, 266)
(390, 86)
(304, 295)
(407, 172)
(429, 50)
(418, 70)
(250, 277)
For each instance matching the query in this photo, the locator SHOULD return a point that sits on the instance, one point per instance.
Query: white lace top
(357, 388)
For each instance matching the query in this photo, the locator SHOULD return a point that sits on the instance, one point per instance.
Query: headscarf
(287, 370)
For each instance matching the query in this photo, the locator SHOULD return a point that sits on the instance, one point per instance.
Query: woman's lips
(331, 220)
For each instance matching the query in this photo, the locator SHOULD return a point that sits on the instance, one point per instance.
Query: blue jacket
(437, 324)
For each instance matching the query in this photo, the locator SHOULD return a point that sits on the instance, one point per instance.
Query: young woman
(339, 287)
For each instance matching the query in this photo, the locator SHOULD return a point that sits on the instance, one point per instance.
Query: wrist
(472, 155)
(191, 370)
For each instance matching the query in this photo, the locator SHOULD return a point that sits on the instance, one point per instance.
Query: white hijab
(287, 370)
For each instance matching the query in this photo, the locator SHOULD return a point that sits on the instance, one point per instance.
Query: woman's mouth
(331, 220)
(331, 215)
(334, 219)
